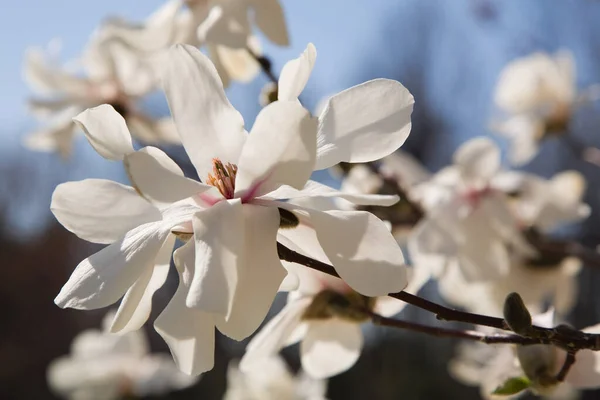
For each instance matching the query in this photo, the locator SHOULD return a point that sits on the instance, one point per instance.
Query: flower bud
(516, 315)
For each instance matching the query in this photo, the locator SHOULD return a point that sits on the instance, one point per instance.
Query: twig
(453, 333)
(265, 65)
(568, 339)
(569, 361)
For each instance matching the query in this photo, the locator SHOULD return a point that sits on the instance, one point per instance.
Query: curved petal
(261, 276)
(316, 189)
(106, 131)
(219, 238)
(58, 137)
(157, 178)
(274, 335)
(100, 280)
(100, 211)
(51, 79)
(295, 73)
(362, 250)
(189, 333)
(208, 124)
(281, 149)
(479, 158)
(330, 347)
(364, 123)
(269, 17)
(135, 307)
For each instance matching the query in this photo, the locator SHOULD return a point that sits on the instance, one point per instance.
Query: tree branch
(569, 361)
(265, 65)
(564, 337)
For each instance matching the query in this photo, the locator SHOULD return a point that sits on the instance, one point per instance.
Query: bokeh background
(447, 52)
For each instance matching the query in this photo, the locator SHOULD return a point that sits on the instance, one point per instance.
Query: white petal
(274, 335)
(261, 276)
(330, 347)
(219, 239)
(106, 131)
(362, 250)
(281, 149)
(268, 16)
(364, 123)
(208, 124)
(100, 211)
(316, 189)
(389, 306)
(57, 137)
(189, 332)
(295, 74)
(158, 178)
(479, 158)
(100, 280)
(51, 79)
(238, 63)
(149, 130)
(135, 307)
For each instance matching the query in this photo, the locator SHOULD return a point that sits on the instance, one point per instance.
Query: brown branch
(566, 367)
(265, 65)
(564, 337)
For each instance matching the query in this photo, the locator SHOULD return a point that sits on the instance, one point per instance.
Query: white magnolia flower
(538, 285)
(229, 268)
(111, 74)
(468, 222)
(538, 94)
(223, 26)
(105, 366)
(324, 314)
(270, 379)
(491, 366)
(545, 204)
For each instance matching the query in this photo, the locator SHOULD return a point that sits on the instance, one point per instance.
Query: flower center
(223, 177)
(350, 306)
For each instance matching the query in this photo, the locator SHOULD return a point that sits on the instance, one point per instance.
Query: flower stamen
(223, 178)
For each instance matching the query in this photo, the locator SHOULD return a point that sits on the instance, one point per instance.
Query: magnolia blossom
(229, 266)
(538, 94)
(468, 221)
(223, 26)
(111, 74)
(105, 366)
(325, 315)
(270, 379)
(536, 366)
(545, 204)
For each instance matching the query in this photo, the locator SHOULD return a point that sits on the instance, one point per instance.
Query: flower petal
(106, 131)
(100, 211)
(261, 276)
(135, 307)
(189, 333)
(362, 250)
(100, 280)
(269, 17)
(157, 178)
(479, 158)
(274, 335)
(219, 238)
(288, 132)
(330, 347)
(316, 189)
(295, 74)
(364, 123)
(208, 124)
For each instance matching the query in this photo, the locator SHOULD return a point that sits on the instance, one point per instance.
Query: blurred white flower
(468, 222)
(545, 204)
(538, 95)
(491, 366)
(270, 379)
(111, 74)
(105, 366)
(230, 271)
(554, 284)
(325, 315)
(223, 26)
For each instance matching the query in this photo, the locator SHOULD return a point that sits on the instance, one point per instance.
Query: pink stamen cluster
(223, 178)
(474, 196)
